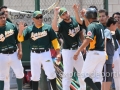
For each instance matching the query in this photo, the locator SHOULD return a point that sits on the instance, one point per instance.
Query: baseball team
(91, 45)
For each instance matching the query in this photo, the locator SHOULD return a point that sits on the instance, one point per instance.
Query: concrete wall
(114, 6)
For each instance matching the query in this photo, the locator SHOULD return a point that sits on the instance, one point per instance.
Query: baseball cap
(62, 10)
(37, 13)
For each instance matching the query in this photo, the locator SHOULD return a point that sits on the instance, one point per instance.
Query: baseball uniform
(8, 41)
(96, 55)
(70, 33)
(41, 40)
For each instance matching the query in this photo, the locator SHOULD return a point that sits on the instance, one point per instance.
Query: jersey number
(102, 34)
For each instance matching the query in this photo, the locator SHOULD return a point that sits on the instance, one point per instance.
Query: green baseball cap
(62, 10)
(37, 13)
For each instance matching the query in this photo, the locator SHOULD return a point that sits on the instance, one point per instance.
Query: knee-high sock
(90, 83)
(98, 84)
(35, 85)
(53, 83)
(20, 83)
(1, 85)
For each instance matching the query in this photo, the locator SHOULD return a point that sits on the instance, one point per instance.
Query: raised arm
(55, 19)
(82, 12)
(76, 9)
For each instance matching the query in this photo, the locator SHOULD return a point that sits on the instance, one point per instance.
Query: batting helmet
(91, 13)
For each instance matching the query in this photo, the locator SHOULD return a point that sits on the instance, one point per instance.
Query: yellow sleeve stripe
(20, 38)
(55, 44)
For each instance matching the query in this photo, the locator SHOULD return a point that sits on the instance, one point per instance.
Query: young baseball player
(42, 37)
(96, 55)
(8, 52)
(107, 69)
(72, 34)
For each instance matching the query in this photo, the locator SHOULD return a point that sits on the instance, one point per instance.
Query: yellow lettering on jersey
(92, 43)
(73, 32)
(38, 35)
(2, 38)
(9, 33)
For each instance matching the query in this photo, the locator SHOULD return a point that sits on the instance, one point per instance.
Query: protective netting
(48, 5)
(68, 4)
(21, 5)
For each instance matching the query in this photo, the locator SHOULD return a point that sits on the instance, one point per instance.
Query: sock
(35, 85)
(90, 83)
(20, 83)
(1, 85)
(98, 84)
(53, 83)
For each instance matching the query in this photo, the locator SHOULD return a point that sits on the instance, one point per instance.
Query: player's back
(97, 31)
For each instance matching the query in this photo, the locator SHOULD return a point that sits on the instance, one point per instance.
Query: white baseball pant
(93, 65)
(38, 59)
(7, 61)
(69, 63)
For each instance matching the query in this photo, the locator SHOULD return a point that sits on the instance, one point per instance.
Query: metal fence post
(37, 4)
(106, 4)
(1, 3)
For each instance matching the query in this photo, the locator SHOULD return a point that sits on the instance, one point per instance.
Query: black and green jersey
(8, 37)
(40, 37)
(70, 33)
(95, 31)
(117, 34)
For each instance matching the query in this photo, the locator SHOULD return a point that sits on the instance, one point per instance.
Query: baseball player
(71, 32)
(5, 10)
(8, 54)
(96, 55)
(107, 69)
(41, 38)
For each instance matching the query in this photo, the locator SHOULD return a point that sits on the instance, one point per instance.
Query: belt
(39, 50)
(8, 52)
(95, 50)
(72, 48)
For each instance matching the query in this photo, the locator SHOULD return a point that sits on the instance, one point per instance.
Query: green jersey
(40, 38)
(8, 37)
(70, 33)
(95, 31)
(117, 33)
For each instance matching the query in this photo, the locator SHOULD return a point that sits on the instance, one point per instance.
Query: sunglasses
(40, 17)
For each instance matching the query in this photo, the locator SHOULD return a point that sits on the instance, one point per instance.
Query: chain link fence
(48, 5)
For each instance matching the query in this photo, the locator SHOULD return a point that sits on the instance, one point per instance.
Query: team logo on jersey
(89, 33)
(73, 32)
(9, 33)
(38, 35)
(2, 38)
